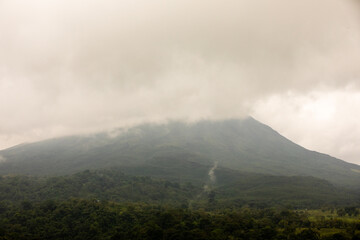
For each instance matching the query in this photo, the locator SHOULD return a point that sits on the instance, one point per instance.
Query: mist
(74, 67)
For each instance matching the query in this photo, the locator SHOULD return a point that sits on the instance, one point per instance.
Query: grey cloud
(79, 66)
(325, 121)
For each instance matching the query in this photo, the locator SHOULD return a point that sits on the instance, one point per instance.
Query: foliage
(92, 219)
(111, 185)
(232, 190)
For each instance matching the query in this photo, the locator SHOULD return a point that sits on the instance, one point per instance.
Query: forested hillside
(210, 180)
(245, 145)
(256, 190)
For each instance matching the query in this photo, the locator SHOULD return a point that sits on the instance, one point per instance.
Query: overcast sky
(80, 66)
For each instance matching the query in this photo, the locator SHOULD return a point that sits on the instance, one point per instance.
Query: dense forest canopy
(108, 204)
(94, 219)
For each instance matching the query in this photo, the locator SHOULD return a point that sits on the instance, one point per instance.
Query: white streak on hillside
(212, 173)
(212, 178)
(2, 159)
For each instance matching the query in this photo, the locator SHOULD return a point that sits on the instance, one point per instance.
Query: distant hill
(162, 149)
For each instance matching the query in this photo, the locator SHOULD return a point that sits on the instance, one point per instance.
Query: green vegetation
(110, 185)
(92, 219)
(244, 145)
(233, 189)
(154, 182)
(108, 204)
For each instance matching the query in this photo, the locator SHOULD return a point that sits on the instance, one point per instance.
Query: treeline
(94, 219)
(110, 185)
(257, 191)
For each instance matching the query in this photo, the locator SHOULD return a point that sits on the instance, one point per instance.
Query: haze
(74, 67)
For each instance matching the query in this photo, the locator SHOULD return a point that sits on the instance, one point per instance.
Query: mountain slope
(113, 185)
(245, 145)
